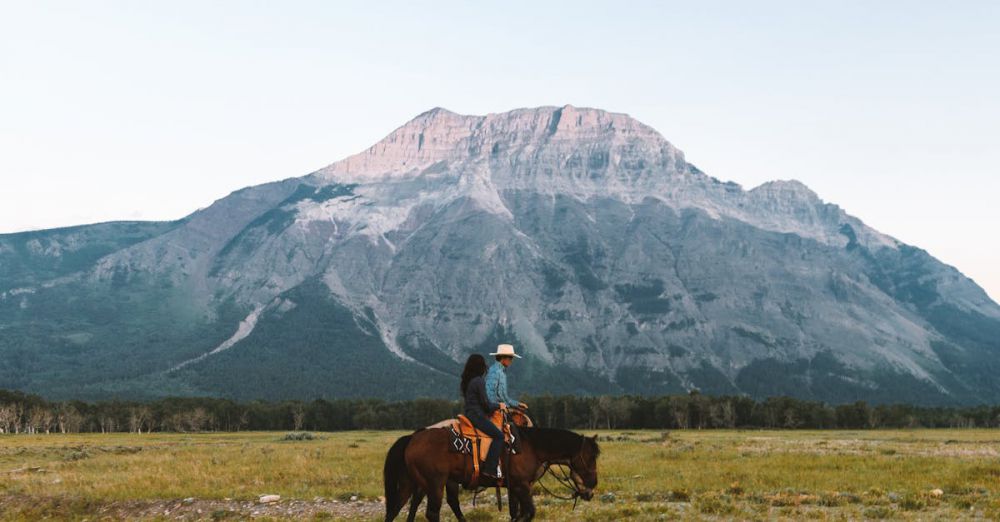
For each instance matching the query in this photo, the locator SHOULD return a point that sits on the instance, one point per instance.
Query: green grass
(643, 475)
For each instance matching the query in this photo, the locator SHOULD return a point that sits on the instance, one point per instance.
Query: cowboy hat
(506, 350)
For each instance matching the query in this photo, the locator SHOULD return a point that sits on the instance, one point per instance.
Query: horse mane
(557, 441)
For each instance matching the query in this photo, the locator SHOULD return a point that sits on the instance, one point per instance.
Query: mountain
(581, 236)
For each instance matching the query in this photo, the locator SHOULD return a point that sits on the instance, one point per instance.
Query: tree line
(25, 413)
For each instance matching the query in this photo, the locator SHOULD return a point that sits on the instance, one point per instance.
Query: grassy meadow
(644, 475)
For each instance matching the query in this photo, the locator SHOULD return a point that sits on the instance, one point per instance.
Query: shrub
(302, 435)
(680, 495)
(878, 512)
(712, 503)
(912, 503)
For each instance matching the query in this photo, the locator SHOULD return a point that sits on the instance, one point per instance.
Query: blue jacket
(496, 385)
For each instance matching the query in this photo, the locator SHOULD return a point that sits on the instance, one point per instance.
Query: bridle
(565, 477)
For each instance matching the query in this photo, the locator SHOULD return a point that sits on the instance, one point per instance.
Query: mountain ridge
(584, 236)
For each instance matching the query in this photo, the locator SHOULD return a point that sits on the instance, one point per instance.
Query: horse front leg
(451, 490)
(525, 504)
(513, 504)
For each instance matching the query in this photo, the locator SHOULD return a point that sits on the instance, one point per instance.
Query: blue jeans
(493, 454)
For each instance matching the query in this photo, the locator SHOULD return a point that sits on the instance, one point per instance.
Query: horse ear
(594, 438)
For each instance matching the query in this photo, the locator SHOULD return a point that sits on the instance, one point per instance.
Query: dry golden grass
(643, 475)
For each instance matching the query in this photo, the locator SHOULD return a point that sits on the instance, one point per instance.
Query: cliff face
(582, 236)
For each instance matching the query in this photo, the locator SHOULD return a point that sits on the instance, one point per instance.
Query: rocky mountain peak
(556, 134)
(435, 135)
(571, 151)
(785, 190)
(567, 123)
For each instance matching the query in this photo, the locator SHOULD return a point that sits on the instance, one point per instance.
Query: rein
(564, 478)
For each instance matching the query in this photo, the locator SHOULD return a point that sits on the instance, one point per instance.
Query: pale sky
(143, 110)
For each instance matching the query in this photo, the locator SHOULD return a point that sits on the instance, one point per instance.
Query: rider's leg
(493, 454)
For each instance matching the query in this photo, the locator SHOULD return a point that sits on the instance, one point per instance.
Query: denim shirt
(496, 385)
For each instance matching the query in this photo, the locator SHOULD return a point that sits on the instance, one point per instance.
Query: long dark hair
(475, 366)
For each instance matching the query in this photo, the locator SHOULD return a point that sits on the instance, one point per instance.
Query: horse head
(583, 467)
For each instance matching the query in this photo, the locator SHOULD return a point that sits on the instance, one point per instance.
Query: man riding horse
(496, 378)
(424, 463)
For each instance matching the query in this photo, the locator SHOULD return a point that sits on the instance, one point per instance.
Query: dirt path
(222, 509)
(198, 509)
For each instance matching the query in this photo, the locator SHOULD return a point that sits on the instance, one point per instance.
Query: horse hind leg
(405, 489)
(418, 497)
(451, 495)
(451, 489)
(435, 494)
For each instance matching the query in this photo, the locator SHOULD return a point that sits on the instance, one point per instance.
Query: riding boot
(491, 472)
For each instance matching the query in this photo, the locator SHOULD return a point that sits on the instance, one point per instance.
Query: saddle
(468, 440)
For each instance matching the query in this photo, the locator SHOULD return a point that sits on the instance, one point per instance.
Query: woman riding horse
(428, 465)
(395, 459)
(478, 409)
(422, 463)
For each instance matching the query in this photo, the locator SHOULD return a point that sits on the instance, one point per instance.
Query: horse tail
(394, 477)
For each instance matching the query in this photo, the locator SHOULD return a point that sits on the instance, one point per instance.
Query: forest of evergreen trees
(23, 413)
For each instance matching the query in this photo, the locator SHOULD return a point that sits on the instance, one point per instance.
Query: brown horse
(396, 455)
(429, 466)
(518, 417)
(400, 487)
